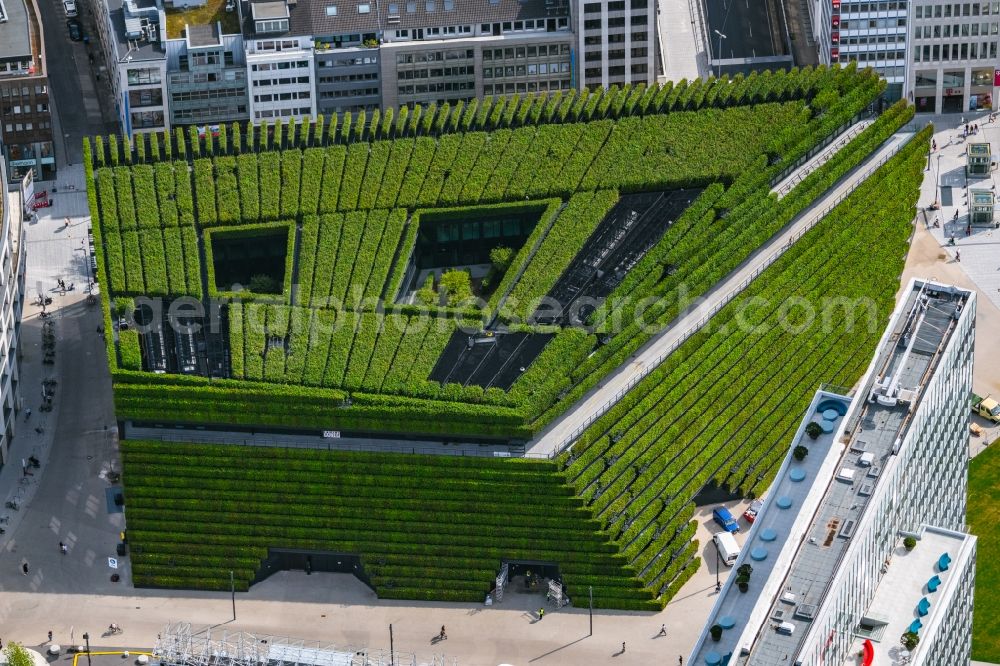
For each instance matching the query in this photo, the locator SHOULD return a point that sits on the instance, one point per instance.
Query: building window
(331, 10)
(138, 77)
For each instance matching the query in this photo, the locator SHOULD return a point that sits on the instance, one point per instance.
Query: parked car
(725, 520)
(70, 7)
(75, 29)
(751, 513)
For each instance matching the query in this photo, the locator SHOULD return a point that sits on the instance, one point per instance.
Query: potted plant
(909, 640)
(716, 632)
(800, 452)
(813, 429)
(743, 577)
(909, 543)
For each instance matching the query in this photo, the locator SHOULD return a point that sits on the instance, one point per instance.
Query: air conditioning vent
(805, 611)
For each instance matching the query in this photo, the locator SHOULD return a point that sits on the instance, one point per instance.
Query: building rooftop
(137, 29)
(782, 521)
(328, 18)
(203, 35)
(982, 197)
(814, 506)
(15, 31)
(210, 13)
(903, 364)
(979, 149)
(914, 588)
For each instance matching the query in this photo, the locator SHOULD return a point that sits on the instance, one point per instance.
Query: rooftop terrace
(15, 37)
(913, 592)
(805, 528)
(135, 26)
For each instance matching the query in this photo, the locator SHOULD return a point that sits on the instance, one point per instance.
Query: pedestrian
(541, 613)
(958, 255)
(24, 568)
(623, 647)
(27, 413)
(62, 548)
(50, 636)
(442, 636)
(968, 230)
(680, 660)
(663, 630)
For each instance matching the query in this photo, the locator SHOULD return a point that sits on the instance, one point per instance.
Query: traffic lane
(65, 89)
(746, 25)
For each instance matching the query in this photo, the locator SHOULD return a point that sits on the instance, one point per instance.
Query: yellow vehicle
(986, 407)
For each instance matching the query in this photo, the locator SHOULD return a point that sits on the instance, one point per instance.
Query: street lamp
(718, 583)
(86, 637)
(718, 67)
(938, 179)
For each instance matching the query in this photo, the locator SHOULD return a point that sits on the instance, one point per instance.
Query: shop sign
(996, 78)
(22, 163)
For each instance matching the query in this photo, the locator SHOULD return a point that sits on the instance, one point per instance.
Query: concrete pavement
(597, 401)
(681, 29)
(979, 268)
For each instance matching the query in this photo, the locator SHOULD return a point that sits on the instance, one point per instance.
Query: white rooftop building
(832, 581)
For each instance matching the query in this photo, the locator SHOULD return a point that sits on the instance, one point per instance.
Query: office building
(26, 138)
(207, 77)
(953, 56)
(302, 58)
(12, 248)
(616, 41)
(870, 33)
(132, 34)
(832, 577)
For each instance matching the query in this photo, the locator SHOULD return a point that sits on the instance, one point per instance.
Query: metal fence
(648, 366)
(333, 444)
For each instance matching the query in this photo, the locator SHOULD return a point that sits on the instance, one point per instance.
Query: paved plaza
(946, 181)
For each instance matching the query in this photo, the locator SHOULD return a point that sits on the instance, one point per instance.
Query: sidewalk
(613, 386)
(980, 250)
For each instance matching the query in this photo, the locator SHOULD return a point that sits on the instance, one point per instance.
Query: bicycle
(114, 629)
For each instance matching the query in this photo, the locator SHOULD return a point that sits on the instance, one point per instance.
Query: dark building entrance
(288, 559)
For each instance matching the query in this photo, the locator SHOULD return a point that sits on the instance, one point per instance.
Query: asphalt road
(746, 25)
(72, 92)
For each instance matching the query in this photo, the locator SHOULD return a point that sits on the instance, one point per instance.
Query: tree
(800, 452)
(500, 257)
(716, 632)
(909, 543)
(17, 655)
(813, 429)
(426, 294)
(264, 284)
(456, 285)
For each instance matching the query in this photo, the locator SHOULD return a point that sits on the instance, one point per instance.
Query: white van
(728, 549)
(70, 7)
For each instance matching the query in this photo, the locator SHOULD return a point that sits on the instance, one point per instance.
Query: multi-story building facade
(25, 119)
(941, 55)
(207, 77)
(281, 74)
(132, 34)
(871, 33)
(953, 55)
(616, 41)
(12, 263)
(831, 576)
(307, 57)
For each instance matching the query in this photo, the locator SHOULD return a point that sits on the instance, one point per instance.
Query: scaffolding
(181, 645)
